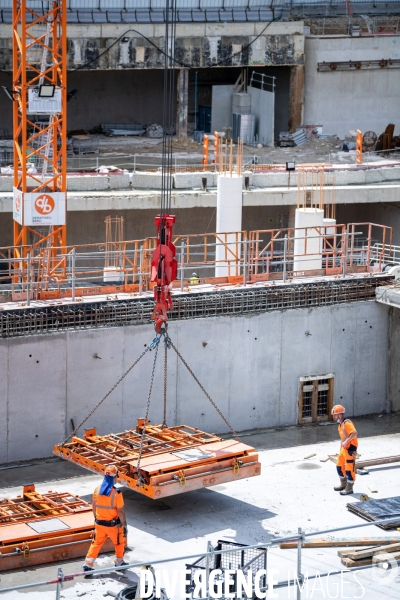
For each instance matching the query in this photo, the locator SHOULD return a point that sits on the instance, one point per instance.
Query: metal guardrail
(297, 582)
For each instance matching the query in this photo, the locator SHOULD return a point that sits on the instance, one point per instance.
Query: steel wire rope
(155, 344)
(166, 346)
(109, 392)
(203, 389)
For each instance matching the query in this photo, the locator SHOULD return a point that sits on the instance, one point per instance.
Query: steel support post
(344, 253)
(182, 263)
(141, 271)
(208, 568)
(59, 587)
(73, 253)
(285, 247)
(245, 263)
(299, 573)
(28, 279)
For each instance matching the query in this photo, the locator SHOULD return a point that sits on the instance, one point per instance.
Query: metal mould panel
(48, 525)
(173, 460)
(235, 4)
(112, 4)
(188, 4)
(216, 4)
(84, 4)
(137, 4)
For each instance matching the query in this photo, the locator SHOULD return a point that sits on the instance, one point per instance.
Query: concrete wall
(249, 365)
(263, 108)
(393, 388)
(343, 100)
(221, 107)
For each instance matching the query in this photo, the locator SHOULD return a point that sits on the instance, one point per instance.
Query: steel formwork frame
(46, 33)
(38, 528)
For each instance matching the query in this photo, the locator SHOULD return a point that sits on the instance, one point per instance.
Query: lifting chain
(154, 345)
(109, 392)
(167, 345)
(202, 388)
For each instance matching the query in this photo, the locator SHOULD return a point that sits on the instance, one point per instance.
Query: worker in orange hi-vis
(348, 448)
(110, 520)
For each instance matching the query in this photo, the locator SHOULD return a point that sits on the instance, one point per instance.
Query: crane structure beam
(40, 135)
(174, 460)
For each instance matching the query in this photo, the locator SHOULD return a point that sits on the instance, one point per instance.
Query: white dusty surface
(291, 492)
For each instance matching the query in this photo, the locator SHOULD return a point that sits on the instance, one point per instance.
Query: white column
(330, 226)
(229, 219)
(307, 241)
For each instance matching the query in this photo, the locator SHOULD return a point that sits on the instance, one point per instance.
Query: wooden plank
(342, 542)
(385, 460)
(378, 558)
(314, 402)
(357, 554)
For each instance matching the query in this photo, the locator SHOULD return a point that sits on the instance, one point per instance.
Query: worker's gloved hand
(126, 532)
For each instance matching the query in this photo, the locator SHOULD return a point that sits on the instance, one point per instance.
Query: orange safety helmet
(337, 409)
(111, 471)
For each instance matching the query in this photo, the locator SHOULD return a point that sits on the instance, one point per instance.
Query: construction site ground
(149, 151)
(291, 492)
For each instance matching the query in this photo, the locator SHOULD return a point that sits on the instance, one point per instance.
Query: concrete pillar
(229, 219)
(183, 100)
(307, 240)
(296, 97)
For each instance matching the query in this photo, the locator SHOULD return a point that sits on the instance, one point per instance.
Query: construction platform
(173, 460)
(43, 528)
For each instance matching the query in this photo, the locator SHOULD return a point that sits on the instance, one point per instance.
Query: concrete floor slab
(291, 492)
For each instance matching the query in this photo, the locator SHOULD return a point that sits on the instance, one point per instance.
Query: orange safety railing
(260, 255)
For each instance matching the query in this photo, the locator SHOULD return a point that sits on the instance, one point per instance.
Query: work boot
(343, 481)
(121, 564)
(87, 569)
(348, 489)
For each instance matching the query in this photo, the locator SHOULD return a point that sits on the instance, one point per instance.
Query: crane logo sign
(44, 204)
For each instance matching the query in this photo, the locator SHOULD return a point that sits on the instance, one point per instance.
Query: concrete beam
(150, 199)
(111, 46)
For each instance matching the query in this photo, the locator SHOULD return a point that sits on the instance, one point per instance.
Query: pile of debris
(387, 140)
(302, 135)
(369, 556)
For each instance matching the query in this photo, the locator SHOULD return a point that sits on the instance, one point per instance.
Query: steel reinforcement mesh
(52, 319)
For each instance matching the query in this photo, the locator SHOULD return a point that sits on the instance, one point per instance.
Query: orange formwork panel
(174, 460)
(42, 528)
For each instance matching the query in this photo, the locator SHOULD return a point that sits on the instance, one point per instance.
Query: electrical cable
(172, 58)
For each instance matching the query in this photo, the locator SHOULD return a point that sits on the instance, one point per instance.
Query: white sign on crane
(40, 208)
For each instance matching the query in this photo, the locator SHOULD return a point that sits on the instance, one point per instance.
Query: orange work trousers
(345, 465)
(101, 533)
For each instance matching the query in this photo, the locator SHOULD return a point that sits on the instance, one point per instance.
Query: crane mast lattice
(40, 134)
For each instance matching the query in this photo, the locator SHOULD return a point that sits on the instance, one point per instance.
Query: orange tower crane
(40, 134)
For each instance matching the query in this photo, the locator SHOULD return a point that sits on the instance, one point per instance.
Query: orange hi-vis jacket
(107, 506)
(345, 429)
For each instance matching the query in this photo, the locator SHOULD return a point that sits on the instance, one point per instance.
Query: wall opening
(316, 398)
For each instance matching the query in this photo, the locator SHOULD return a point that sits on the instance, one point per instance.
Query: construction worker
(194, 280)
(348, 448)
(110, 520)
